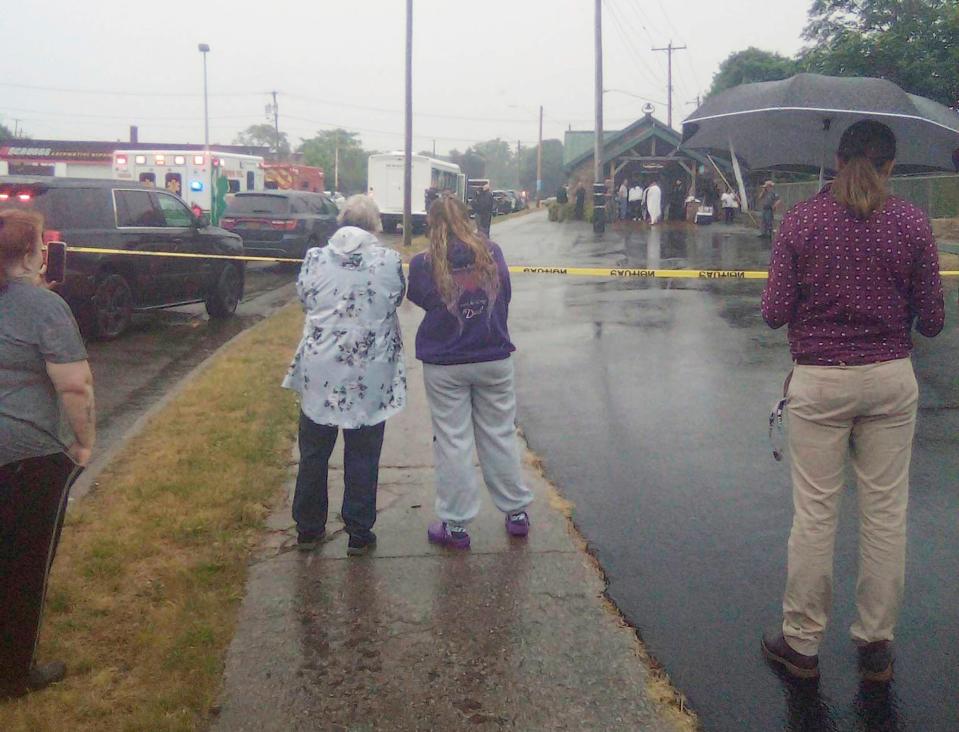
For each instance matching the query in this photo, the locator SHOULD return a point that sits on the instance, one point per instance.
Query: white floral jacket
(349, 368)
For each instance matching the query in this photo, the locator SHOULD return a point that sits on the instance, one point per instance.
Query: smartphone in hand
(56, 261)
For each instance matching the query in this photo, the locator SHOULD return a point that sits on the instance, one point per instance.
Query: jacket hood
(458, 254)
(349, 239)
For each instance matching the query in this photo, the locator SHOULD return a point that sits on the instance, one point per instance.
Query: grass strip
(151, 568)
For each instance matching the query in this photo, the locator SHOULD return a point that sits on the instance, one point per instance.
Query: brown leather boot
(778, 651)
(875, 661)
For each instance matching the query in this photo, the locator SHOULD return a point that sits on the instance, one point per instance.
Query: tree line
(913, 43)
(505, 166)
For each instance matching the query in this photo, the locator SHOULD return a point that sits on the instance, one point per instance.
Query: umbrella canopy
(796, 123)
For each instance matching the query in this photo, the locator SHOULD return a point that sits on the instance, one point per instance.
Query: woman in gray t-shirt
(47, 430)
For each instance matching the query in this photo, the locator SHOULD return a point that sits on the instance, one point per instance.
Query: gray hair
(360, 211)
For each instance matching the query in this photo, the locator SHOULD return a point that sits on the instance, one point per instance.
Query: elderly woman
(44, 378)
(348, 371)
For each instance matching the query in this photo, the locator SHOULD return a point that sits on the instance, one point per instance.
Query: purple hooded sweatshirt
(479, 333)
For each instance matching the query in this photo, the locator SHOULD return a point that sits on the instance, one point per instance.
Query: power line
(64, 90)
(624, 35)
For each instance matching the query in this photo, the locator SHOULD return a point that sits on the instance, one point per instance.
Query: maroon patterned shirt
(850, 288)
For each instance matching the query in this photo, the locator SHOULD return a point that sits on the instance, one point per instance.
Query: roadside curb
(87, 481)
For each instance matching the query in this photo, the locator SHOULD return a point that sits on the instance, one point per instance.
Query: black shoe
(358, 547)
(308, 542)
(798, 665)
(45, 674)
(875, 661)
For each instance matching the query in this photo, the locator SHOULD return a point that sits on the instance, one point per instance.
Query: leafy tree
(914, 43)
(5, 132)
(263, 135)
(751, 65)
(553, 174)
(471, 163)
(321, 150)
(500, 162)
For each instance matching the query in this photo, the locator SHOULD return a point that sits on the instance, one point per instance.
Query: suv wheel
(112, 306)
(226, 293)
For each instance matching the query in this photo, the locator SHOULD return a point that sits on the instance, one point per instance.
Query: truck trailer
(431, 178)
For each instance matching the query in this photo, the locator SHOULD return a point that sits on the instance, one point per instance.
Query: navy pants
(33, 500)
(361, 467)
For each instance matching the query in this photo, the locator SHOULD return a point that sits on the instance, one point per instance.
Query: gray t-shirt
(36, 327)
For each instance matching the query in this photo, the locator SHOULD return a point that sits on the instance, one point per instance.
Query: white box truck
(431, 178)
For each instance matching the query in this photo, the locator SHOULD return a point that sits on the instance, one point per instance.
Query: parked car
(104, 290)
(518, 198)
(281, 223)
(502, 203)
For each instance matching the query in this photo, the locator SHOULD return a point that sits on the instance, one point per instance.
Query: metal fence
(937, 195)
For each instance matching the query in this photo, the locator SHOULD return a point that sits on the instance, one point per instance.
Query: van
(104, 290)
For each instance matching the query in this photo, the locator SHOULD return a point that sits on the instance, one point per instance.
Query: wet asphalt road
(648, 401)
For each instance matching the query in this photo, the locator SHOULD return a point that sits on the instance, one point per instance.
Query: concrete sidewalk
(512, 634)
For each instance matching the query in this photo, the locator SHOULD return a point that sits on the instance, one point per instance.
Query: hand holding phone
(56, 266)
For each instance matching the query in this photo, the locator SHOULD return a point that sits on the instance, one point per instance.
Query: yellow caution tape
(181, 255)
(614, 272)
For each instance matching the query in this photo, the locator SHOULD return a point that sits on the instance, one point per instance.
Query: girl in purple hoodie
(463, 285)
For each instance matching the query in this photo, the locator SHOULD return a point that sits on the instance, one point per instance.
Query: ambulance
(190, 174)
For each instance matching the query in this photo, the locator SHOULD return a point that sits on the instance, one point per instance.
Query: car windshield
(258, 204)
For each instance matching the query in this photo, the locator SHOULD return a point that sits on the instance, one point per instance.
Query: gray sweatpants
(474, 403)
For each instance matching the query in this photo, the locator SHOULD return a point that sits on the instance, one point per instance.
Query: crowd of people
(852, 392)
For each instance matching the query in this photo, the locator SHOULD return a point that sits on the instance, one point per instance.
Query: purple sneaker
(439, 533)
(517, 524)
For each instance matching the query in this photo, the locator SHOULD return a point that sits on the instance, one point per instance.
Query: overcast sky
(481, 67)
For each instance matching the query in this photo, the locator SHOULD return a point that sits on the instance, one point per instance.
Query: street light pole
(204, 49)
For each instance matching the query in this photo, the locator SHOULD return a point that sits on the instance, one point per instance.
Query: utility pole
(599, 184)
(276, 124)
(670, 48)
(519, 164)
(408, 162)
(336, 161)
(539, 159)
(698, 101)
(16, 128)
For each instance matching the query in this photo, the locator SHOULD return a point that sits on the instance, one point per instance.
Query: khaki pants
(868, 412)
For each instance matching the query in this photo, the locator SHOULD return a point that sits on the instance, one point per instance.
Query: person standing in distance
(483, 204)
(852, 270)
(463, 284)
(769, 202)
(47, 433)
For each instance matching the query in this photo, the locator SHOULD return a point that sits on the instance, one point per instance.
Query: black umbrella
(796, 123)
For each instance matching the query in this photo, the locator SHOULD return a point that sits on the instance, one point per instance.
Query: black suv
(281, 223)
(105, 289)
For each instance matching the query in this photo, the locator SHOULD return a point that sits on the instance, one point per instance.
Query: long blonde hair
(449, 220)
(865, 153)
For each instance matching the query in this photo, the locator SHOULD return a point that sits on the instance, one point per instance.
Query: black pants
(730, 214)
(484, 223)
(361, 468)
(33, 500)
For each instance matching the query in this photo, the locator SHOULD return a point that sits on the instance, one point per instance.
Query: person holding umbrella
(852, 270)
